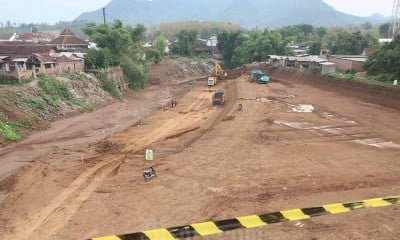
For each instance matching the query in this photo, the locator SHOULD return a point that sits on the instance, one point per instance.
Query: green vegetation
(383, 65)
(240, 47)
(186, 45)
(108, 84)
(119, 45)
(137, 74)
(346, 43)
(205, 29)
(341, 75)
(9, 132)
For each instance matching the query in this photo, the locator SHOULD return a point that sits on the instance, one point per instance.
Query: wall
(76, 66)
(117, 74)
(377, 94)
(344, 65)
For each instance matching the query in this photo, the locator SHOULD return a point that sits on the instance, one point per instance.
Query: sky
(51, 11)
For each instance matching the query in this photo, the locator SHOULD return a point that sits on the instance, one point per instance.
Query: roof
(328, 64)
(305, 58)
(19, 59)
(43, 57)
(6, 36)
(385, 40)
(23, 49)
(34, 37)
(355, 58)
(67, 37)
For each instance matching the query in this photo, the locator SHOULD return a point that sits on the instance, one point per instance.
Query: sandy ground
(292, 146)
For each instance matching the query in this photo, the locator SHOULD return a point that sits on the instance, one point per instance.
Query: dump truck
(218, 98)
(212, 81)
(259, 76)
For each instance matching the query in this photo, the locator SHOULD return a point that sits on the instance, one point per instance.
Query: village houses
(23, 59)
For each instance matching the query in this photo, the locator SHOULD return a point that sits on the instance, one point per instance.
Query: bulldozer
(218, 74)
(258, 76)
(218, 98)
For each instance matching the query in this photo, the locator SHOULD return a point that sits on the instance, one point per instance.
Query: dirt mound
(174, 71)
(382, 95)
(25, 108)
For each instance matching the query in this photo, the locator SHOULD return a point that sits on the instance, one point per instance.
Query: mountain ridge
(248, 13)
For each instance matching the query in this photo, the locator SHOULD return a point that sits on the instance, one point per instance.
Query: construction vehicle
(218, 74)
(212, 81)
(149, 174)
(259, 76)
(218, 98)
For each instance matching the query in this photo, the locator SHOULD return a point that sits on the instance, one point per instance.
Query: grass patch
(9, 132)
(350, 76)
(108, 84)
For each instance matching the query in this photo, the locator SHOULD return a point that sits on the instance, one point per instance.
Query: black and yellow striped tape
(253, 221)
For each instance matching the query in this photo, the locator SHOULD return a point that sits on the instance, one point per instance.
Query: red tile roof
(24, 49)
(67, 37)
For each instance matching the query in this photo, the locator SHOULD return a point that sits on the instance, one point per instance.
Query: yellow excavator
(219, 74)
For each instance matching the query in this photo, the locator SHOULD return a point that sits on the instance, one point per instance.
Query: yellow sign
(149, 155)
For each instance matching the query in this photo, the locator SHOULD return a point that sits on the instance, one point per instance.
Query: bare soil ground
(294, 145)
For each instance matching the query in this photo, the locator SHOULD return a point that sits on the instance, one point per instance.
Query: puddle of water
(373, 142)
(302, 108)
(297, 125)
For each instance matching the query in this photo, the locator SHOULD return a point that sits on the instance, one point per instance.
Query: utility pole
(104, 16)
(394, 27)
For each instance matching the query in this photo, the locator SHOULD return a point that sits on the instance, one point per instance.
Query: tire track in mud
(62, 208)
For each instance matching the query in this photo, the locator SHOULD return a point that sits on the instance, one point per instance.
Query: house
(348, 62)
(69, 62)
(302, 61)
(202, 47)
(34, 37)
(212, 41)
(68, 42)
(8, 37)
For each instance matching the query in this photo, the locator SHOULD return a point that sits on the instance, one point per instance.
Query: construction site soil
(300, 141)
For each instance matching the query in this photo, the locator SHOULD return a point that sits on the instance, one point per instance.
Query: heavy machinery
(218, 74)
(212, 81)
(218, 98)
(259, 76)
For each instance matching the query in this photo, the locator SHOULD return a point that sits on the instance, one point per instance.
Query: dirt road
(292, 146)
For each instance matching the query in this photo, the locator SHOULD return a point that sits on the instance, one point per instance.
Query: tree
(385, 62)
(315, 48)
(351, 43)
(138, 33)
(366, 26)
(320, 32)
(186, 45)
(160, 43)
(227, 43)
(384, 30)
(119, 45)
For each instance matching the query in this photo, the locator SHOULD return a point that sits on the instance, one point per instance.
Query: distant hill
(248, 13)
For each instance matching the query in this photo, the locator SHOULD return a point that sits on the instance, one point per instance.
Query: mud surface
(213, 163)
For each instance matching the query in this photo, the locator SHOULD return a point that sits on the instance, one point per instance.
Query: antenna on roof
(104, 16)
